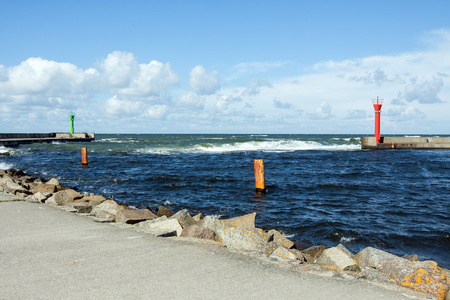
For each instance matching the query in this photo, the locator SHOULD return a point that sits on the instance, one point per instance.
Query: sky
(264, 67)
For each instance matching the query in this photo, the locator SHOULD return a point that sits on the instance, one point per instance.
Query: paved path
(48, 253)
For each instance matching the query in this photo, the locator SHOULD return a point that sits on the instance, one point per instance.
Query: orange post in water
(84, 159)
(259, 175)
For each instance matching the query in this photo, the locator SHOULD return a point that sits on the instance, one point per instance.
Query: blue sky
(225, 66)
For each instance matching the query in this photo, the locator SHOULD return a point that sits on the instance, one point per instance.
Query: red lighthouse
(377, 103)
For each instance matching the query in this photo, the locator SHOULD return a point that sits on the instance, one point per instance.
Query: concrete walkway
(49, 253)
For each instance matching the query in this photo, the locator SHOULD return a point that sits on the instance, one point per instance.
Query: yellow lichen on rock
(428, 281)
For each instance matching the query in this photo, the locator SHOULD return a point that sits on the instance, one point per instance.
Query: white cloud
(37, 81)
(322, 112)
(223, 104)
(203, 83)
(377, 77)
(152, 79)
(189, 101)
(334, 95)
(258, 66)
(255, 85)
(356, 114)
(405, 113)
(156, 111)
(122, 108)
(283, 105)
(119, 68)
(424, 92)
(120, 87)
(123, 75)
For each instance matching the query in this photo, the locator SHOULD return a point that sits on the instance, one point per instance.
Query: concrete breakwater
(15, 139)
(406, 142)
(237, 234)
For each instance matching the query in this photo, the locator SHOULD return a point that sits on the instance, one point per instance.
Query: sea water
(321, 188)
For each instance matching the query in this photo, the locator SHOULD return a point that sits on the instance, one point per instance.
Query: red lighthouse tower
(377, 103)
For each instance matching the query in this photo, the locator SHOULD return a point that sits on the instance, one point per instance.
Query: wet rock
(63, 197)
(242, 221)
(183, 218)
(243, 238)
(278, 238)
(421, 276)
(133, 216)
(198, 232)
(163, 211)
(339, 257)
(312, 253)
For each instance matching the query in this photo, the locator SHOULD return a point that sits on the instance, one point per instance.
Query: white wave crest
(113, 140)
(253, 146)
(5, 150)
(271, 146)
(347, 239)
(6, 166)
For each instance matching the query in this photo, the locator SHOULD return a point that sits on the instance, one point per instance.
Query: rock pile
(237, 234)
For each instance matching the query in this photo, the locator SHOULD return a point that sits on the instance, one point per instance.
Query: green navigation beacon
(71, 115)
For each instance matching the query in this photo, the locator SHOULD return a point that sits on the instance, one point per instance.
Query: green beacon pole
(71, 122)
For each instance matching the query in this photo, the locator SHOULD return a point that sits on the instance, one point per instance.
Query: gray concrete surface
(49, 253)
(406, 142)
(15, 139)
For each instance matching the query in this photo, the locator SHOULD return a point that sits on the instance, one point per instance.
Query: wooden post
(259, 175)
(84, 159)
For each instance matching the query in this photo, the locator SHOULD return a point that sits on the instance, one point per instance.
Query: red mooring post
(377, 103)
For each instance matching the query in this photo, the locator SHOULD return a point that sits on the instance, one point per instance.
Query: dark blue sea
(322, 188)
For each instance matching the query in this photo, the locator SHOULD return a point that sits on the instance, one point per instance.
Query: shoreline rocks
(238, 234)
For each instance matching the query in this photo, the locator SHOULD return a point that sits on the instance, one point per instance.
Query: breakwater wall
(406, 142)
(15, 139)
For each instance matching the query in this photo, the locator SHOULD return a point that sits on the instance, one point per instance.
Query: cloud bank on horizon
(120, 94)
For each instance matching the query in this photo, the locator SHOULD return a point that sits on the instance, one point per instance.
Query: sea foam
(253, 146)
